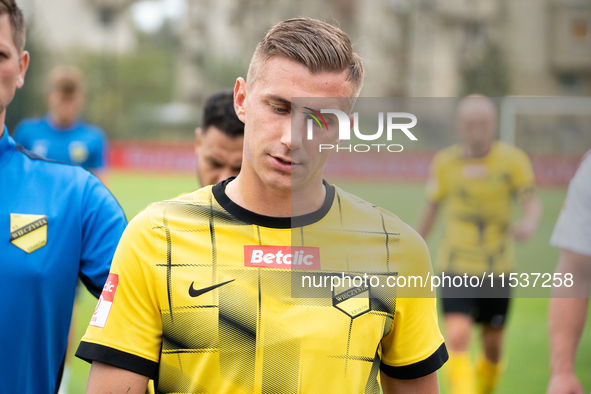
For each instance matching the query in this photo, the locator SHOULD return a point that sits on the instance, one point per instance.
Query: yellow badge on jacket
(28, 232)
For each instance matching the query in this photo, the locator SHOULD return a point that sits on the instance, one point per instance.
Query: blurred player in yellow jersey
(478, 180)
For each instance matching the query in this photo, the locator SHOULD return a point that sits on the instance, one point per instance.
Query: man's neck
(2, 118)
(273, 202)
(60, 124)
(476, 151)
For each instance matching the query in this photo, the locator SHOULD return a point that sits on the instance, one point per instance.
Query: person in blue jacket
(58, 223)
(61, 134)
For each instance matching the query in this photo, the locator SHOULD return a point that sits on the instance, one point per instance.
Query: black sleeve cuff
(90, 352)
(94, 289)
(420, 369)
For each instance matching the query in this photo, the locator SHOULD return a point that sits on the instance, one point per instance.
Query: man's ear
(240, 99)
(23, 64)
(198, 135)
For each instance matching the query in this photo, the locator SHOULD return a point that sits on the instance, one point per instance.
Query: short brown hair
(66, 80)
(317, 45)
(17, 22)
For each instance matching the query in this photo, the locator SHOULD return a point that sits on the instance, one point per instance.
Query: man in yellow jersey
(478, 179)
(200, 293)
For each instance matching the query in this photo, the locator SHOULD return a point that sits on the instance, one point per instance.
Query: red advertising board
(177, 157)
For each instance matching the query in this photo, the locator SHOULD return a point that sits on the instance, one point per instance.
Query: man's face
(13, 65)
(477, 123)
(277, 155)
(65, 108)
(218, 156)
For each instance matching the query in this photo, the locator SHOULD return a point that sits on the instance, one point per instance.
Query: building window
(106, 16)
(570, 83)
(579, 29)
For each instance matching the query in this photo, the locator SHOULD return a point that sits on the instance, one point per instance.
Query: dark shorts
(486, 305)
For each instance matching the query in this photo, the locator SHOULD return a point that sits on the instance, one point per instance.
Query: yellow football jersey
(205, 296)
(478, 194)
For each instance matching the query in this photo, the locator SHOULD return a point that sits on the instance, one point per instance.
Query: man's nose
(293, 133)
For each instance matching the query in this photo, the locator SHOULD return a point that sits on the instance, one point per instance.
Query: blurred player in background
(195, 312)
(219, 141)
(568, 306)
(61, 135)
(477, 179)
(58, 223)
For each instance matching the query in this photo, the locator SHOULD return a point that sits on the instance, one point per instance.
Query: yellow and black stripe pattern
(479, 196)
(193, 316)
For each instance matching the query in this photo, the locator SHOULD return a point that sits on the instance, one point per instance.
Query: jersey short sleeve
(128, 304)
(103, 223)
(573, 228)
(414, 347)
(436, 186)
(98, 151)
(521, 173)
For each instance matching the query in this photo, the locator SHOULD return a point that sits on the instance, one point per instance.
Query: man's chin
(289, 182)
(279, 181)
(200, 179)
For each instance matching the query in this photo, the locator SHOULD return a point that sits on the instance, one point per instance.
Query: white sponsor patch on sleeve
(101, 312)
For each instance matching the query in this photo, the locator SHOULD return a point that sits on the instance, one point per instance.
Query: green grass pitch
(526, 345)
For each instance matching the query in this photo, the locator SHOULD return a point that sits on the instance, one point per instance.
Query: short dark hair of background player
(219, 141)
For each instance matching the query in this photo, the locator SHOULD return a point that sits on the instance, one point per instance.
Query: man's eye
(331, 119)
(215, 164)
(279, 110)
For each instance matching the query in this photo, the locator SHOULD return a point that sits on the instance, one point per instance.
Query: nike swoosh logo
(197, 293)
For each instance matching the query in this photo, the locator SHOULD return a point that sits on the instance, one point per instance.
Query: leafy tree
(488, 75)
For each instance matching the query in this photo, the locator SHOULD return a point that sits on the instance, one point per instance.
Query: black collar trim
(244, 215)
